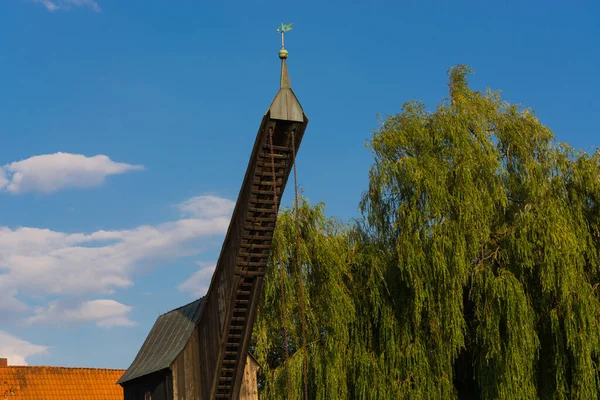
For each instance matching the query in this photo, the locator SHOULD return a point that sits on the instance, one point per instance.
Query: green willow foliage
(474, 273)
(329, 307)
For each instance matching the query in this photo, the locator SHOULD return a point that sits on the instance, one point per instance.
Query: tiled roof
(166, 340)
(58, 383)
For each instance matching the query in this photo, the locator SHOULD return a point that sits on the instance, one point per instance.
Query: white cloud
(207, 206)
(51, 172)
(197, 284)
(41, 262)
(115, 321)
(54, 5)
(17, 350)
(106, 313)
(9, 304)
(3, 180)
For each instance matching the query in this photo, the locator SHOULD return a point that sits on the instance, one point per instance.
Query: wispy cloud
(17, 350)
(9, 304)
(55, 5)
(206, 206)
(49, 173)
(197, 284)
(105, 313)
(51, 264)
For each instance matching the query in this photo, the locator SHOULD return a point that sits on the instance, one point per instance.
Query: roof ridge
(61, 367)
(185, 305)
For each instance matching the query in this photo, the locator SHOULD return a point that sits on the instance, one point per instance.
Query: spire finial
(283, 53)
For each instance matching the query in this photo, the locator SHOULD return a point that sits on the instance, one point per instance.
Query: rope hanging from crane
(300, 278)
(282, 271)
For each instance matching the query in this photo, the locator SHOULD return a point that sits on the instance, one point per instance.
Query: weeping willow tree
(474, 272)
(325, 255)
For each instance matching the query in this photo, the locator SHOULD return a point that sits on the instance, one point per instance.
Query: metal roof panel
(166, 340)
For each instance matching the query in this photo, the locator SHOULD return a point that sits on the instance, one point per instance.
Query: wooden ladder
(252, 258)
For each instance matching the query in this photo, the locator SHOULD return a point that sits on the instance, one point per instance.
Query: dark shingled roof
(166, 340)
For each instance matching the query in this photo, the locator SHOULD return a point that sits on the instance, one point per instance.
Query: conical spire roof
(286, 106)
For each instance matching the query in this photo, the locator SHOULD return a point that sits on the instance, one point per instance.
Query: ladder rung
(261, 201)
(267, 147)
(258, 237)
(269, 184)
(251, 264)
(260, 228)
(261, 210)
(278, 164)
(267, 192)
(264, 254)
(269, 174)
(256, 246)
(261, 219)
(242, 272)
(274, 155)
(258, 181)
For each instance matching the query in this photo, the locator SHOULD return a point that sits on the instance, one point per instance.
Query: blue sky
(126, 128)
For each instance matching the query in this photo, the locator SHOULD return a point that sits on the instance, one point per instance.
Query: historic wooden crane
(199, 351)
(229, 309)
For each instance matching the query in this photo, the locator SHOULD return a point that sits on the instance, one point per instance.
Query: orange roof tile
(58, 383)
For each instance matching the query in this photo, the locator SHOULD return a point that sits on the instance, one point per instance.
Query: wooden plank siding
(249, 390)
(158, 384)
(186, 371)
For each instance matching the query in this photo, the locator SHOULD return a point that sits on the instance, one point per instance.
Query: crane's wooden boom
(229, 310)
